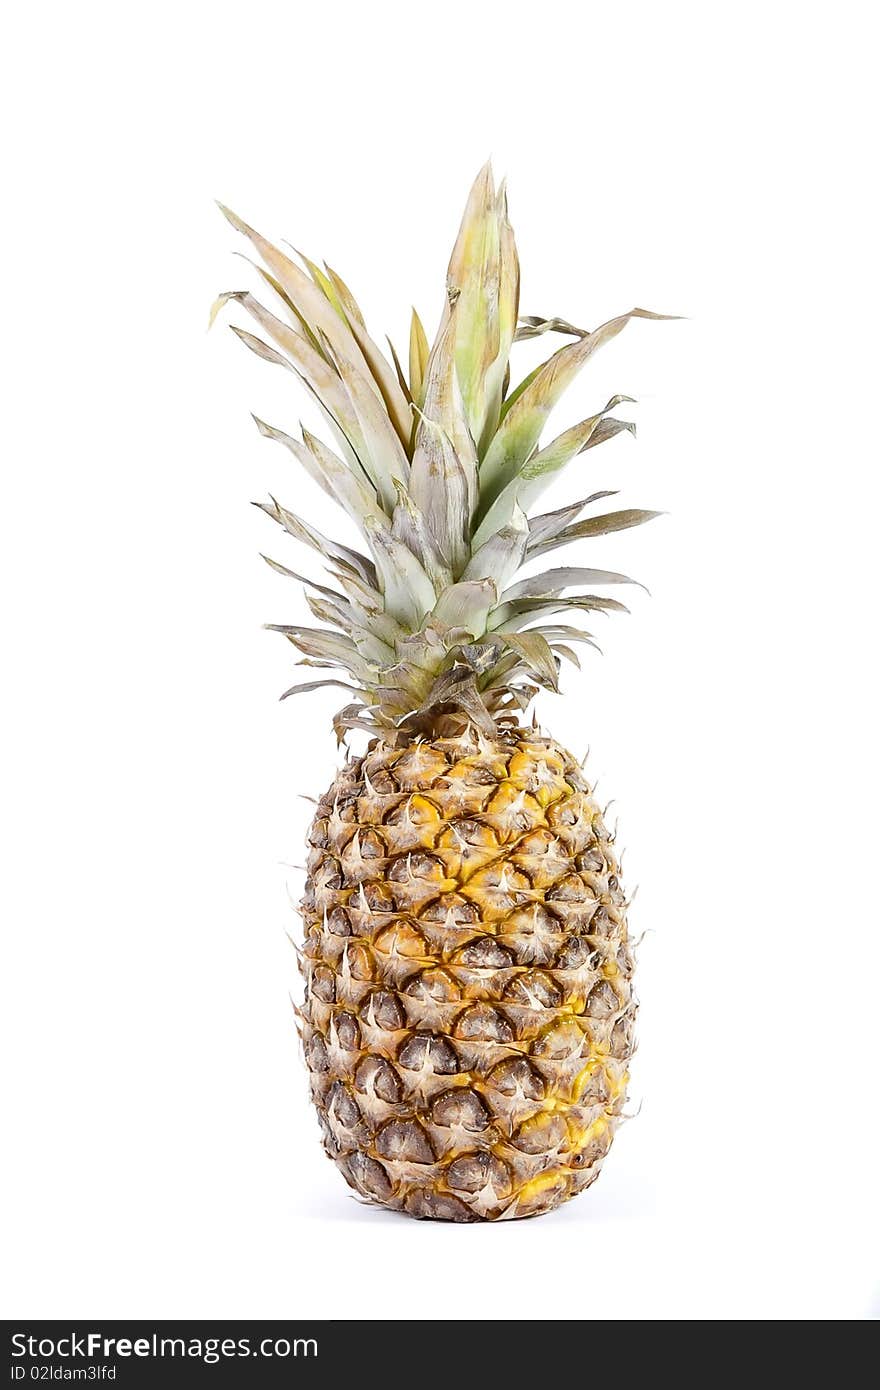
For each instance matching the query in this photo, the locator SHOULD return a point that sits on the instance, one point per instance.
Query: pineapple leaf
(337, 554)
(410, 526)
(552, 582)
(519, 612)
(418, 357)
(383, 457)
(307, 298)
(549, 524)
(354, 716)
(443, 477)
(554, 631)
(483, 285)
(404, 386)
(261, 349)
(443, 406)
(536, 474)
(438, 465)
(536, 654)
(316, 685)
(567, 652)
(367, 598)
(531, 326)
(407, 589)
(440, 490)
(333, 647)
(345, 297)
(353, 615)
(301, 578)
(519, 389)
(332, 613)
(325, 285)
(300, 453)
(593, 526)
(354, 494)
(521, 427)
(497, 374)
(596, 430)
(502, 554)
(466, 605)
(310, 366)
(472, 282)
(394, 396)
(278, 289)
(343, 616)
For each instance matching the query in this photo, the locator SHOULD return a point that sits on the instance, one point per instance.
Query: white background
(712, 161)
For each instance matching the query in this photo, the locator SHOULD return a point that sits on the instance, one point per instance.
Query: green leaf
(483, 285)
(536, 474)
(418, 357)
(473, 283)
(324, 283)
(497, 374)
(524, 420)
(519, 389)
(571, 442)
(345, 297)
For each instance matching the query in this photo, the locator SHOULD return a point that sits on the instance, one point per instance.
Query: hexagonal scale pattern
(468, 1016)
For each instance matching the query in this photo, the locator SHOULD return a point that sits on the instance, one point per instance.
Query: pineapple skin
(468, 1013)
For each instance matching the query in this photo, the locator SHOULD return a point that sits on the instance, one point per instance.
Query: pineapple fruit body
(469, 1012)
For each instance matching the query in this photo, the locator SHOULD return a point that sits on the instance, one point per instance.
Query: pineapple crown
(438, 467)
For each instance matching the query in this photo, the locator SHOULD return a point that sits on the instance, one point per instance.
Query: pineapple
(468, 1012)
